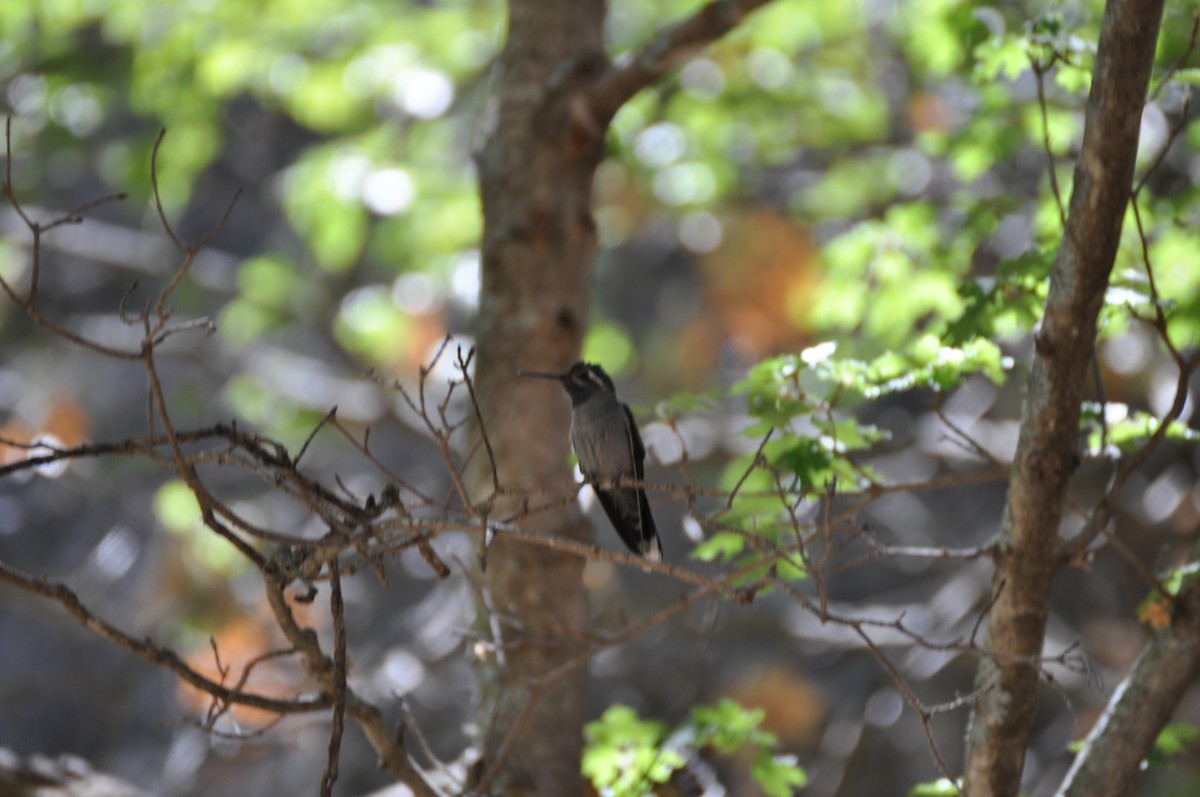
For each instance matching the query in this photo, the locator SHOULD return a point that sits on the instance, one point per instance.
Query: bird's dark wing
(627, 507)
(635, 443)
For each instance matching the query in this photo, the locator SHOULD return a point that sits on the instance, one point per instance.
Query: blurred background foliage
(843, 212)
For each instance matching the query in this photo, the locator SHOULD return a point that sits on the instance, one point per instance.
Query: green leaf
(847, 434)
(1001, 55)
(1127, 429)
(731, 729)
(1171, 741)
(777, 775)
(684, 403)
(623, 756)
(936, 788)
(723, 544)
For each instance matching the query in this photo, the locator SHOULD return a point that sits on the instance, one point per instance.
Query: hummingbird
(609, 448)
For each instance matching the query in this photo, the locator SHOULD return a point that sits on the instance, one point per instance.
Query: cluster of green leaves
(797, 400)
(1006, 305)
(626, 755)
(1116, 425)
(383, 174)
(893, 277)
(909, 268)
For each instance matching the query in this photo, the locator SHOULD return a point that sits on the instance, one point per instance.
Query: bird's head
(581, 381)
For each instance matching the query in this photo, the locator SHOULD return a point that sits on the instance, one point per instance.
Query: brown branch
(463, 365)
(154, 653)
(1048, 437)
(391, 752)
(1039, 72)
(323, 670)
(338, 615)
(187, 470)
(29, 303)
(365, 449)
(912, 700)
(970, 442)
(1181, 60)
(162, 215)
(1142, 704)
(1097, 522)
(755, 461)
(666, 50)
(330, 417)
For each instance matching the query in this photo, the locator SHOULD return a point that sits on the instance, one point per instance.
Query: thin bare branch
(1039, 71)
(153, 653)
(162, 215)
(337, 613)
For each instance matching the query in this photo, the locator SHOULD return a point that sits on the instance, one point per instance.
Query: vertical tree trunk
(1048, 442)
(535, 172)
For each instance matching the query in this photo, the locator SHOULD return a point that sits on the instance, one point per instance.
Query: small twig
(162, 215)
(1039, 71)
(153, 653)
(1176, 129)
(337, 612)
(9, 192)
(329, 418)
(912, 700)
(754, 462)
(970, 442)
(987, 610)
(487, 443)
(1180, 61)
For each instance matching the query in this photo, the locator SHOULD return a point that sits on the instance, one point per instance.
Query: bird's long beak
(541, 375)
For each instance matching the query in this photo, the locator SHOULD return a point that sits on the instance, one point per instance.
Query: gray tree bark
(1048, 441)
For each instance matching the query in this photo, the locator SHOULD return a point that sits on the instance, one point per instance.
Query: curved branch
(153, 653)
(1048, 440)
(1140, 707)
(669, 47)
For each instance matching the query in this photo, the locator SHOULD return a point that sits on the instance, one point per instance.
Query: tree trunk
(1048, 441)
(535, 172)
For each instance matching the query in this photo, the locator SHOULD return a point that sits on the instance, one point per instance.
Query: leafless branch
(1040, 68)
(667, 49)
(337, 611)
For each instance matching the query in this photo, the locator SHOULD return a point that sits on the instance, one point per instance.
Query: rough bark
(553, 95)
(1047, 448)
(535, 172)
(1144, 702)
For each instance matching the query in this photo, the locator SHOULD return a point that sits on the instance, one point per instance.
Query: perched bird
(608, 446)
